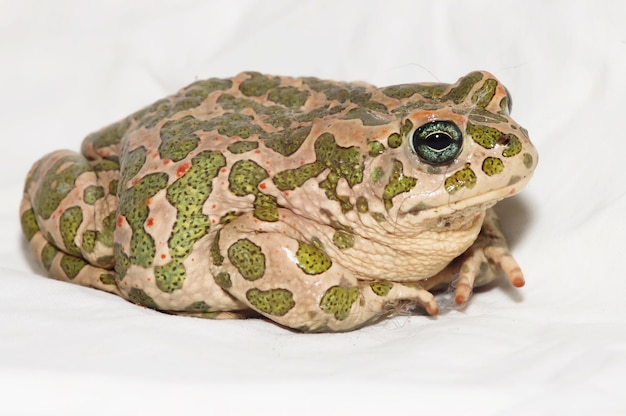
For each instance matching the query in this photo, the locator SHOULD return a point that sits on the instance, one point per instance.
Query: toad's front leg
(481, 264)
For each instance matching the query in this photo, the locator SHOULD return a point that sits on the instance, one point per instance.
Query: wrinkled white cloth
(557, 346)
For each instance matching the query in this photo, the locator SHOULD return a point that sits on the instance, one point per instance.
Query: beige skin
(320, 205)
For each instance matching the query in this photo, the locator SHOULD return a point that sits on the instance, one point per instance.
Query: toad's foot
(485, 259)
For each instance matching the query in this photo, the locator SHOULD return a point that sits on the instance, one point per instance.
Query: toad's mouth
(482, 201)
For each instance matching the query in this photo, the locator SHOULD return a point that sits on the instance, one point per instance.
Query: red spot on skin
(134, 181)
(223, 170)
(150, 222)
(193, 259)
(163, 256)
(258, 152)
(182, 169)
(213, 206)
(166, 161)
(148, 201)
(213, 221)
(262, 185)
(286, 193)
(260, 229)
(120, 220)
(301, 162)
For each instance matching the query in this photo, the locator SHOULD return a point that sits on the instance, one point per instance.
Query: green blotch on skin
(229, 217)
(107, 279)
(480, 115)
(464, 178)
(47, 255)
(29, 224)
(105, 235)
(362, 205)
(394, 140)
(338, 301)
(178, 138)
(290, 97)
(248, 258)
(343, 240)
(381, 288)
(134, 208)
(463, 88)
(398, 183)
(257, 85)
(242, 147)
(200, 306)
(312, 259)
(72, 265)
(113, 187)
(57, 184)
(485, 136)
(528, 160)
(68, 223)
(375, 148)
(406, 128)
(378, 216)
(485, 94)
(216, 257)
(288, 141)
(404, 91)
(223, 280)
(170, 276)
(140, 297)
(275, 302)
(105, 262)
(130, 165)
(513, 146)
(188, 194)
(343, 162)
(92, 193)
(492, 166)
(244, 179)
(89, 241)
(122, 261)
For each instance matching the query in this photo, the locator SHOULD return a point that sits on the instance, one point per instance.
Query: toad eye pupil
(437, 142)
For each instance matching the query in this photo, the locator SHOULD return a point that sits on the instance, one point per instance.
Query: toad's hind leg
(68, 215)
(276, 271)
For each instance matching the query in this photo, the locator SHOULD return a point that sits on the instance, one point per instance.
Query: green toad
(320, 205)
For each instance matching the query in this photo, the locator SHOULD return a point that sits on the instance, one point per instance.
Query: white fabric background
(558, 346)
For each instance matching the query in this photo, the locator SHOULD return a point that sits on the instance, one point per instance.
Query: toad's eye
(437, 142)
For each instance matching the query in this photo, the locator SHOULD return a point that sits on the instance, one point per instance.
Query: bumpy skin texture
(321, 205)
